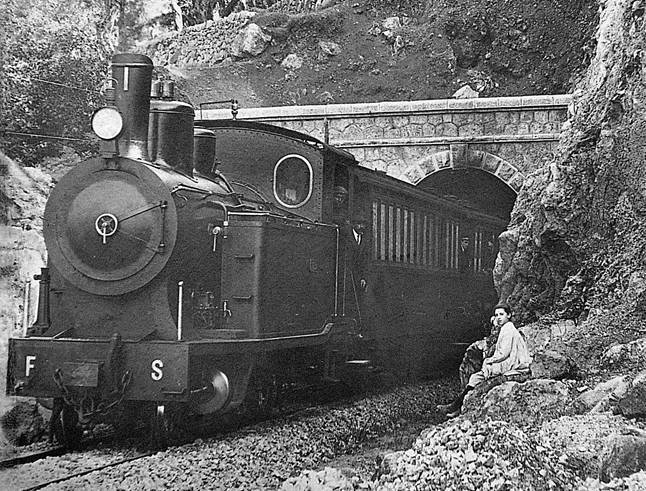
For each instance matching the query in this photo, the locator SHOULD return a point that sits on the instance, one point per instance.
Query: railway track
(33, 456)
(87, 471)
(256, 456)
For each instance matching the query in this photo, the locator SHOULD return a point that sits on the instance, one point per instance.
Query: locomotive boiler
(173, 290)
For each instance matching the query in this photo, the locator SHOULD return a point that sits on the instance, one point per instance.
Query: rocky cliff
(575, 245)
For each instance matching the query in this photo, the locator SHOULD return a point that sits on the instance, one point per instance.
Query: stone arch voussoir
(460, 156)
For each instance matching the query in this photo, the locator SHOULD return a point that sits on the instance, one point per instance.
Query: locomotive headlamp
(107, 123)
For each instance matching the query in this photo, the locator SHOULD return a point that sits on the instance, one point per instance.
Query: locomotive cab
(286, 170)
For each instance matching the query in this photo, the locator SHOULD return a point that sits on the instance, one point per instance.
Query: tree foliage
(53, 61)
(198, 11)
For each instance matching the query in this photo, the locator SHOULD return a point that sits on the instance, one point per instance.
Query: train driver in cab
(340, 206)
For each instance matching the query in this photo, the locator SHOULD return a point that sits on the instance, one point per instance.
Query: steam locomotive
(172, 290)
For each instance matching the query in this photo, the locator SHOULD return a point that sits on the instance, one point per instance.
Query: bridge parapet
(506, 136)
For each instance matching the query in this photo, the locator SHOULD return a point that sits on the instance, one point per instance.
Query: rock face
(22, 252)
(552, 365)
(579, 223)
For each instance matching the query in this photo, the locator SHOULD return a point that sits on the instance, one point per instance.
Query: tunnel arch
(462, 157)
(479, 178)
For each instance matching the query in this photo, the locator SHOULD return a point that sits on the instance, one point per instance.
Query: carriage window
(404, 235)
(293, 181)
(478, 251)
(451, 244)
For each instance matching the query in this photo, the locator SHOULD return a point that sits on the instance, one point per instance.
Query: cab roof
(338, 153)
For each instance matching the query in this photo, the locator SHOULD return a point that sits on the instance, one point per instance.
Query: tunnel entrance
(475, 187)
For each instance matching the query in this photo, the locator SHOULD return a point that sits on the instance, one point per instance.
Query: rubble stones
(484, 455)
(202, 45)
(327, 479)
(258, 457)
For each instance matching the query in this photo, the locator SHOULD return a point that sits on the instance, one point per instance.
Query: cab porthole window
(293, 181)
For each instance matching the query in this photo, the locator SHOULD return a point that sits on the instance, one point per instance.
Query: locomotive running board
(256, 345)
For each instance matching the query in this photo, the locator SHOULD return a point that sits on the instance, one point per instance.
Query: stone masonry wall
(507, 136)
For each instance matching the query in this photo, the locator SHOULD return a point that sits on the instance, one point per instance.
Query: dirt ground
(499, 48)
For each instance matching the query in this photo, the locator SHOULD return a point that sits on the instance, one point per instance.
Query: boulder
(329, 48)
(251, 41)
(553, 365)
(292, 62)
(389, 462)
(633, 353)
(466, 92)
(623, 455)
(599, 398)
(23, 424)
(527, 403)
(633, 402)
(389, 25)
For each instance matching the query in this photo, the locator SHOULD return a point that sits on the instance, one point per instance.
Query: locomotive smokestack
(133, 74)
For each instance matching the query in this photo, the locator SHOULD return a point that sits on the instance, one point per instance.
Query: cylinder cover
(110, 229)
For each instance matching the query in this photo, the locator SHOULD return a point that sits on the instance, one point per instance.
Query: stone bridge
(507, 137)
